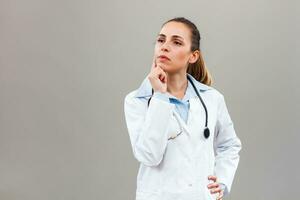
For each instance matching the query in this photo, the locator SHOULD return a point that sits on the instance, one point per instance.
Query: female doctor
(179, 126)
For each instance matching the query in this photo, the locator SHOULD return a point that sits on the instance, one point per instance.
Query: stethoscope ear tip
(206, 132)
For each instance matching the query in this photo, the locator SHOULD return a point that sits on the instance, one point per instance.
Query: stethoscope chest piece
(206, 132)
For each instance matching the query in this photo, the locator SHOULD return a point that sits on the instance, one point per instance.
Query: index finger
(153, 63)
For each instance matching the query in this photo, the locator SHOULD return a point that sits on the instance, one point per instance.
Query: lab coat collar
(145, 89)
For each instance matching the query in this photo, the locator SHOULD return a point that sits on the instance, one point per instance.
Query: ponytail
(199, 71)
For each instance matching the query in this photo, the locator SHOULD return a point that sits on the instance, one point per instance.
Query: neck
(177, 84)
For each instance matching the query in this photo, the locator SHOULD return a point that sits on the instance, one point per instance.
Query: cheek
(156, 50)
(181, 57)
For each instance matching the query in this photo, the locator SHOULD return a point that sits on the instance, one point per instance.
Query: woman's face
(174, 42)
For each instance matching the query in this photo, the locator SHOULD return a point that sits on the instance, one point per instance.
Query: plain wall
(66, 66)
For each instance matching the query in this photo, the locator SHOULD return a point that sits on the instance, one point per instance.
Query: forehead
(175, 28)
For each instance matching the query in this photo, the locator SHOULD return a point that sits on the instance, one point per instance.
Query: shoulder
(216, 98)
(209, 91)
(131, 101)
(214, 94)
(220, 102)
(130, 97)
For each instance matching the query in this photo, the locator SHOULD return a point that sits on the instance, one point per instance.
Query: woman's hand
(215, 187)
(158, 77)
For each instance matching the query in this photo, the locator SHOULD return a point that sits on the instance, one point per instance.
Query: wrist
(160, 91)
(161, 95)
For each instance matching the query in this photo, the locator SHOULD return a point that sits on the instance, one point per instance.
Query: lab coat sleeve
(148, 127)
(227, 146)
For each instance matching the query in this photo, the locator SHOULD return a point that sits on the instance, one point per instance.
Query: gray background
(66, 66)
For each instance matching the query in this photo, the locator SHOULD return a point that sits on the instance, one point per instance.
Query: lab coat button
(190, 185)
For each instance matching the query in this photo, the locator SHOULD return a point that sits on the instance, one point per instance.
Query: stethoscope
(206, 131)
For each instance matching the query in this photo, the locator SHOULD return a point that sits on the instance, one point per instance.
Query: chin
(170, 70)
(166, 68)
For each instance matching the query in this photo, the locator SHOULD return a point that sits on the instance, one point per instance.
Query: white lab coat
(177, 169)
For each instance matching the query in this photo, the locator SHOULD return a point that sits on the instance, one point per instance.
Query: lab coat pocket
(173, 135)
(178, 139)
(175, 129)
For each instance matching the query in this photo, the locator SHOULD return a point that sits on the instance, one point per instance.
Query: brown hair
(198, 69)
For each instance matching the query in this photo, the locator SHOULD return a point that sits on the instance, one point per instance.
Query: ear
(194, 56)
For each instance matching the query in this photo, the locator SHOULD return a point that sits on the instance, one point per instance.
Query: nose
(164, 46)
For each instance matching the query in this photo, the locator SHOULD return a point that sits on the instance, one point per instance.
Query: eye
(159, 40)
(177, 43)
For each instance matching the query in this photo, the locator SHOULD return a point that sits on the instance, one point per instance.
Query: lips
(163, 57)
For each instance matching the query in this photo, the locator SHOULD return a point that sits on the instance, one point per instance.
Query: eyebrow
(174, 36)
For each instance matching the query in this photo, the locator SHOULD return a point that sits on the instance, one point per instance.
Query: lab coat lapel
(196, 122)
(182, 123)
(186, 143)
(192, 129)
